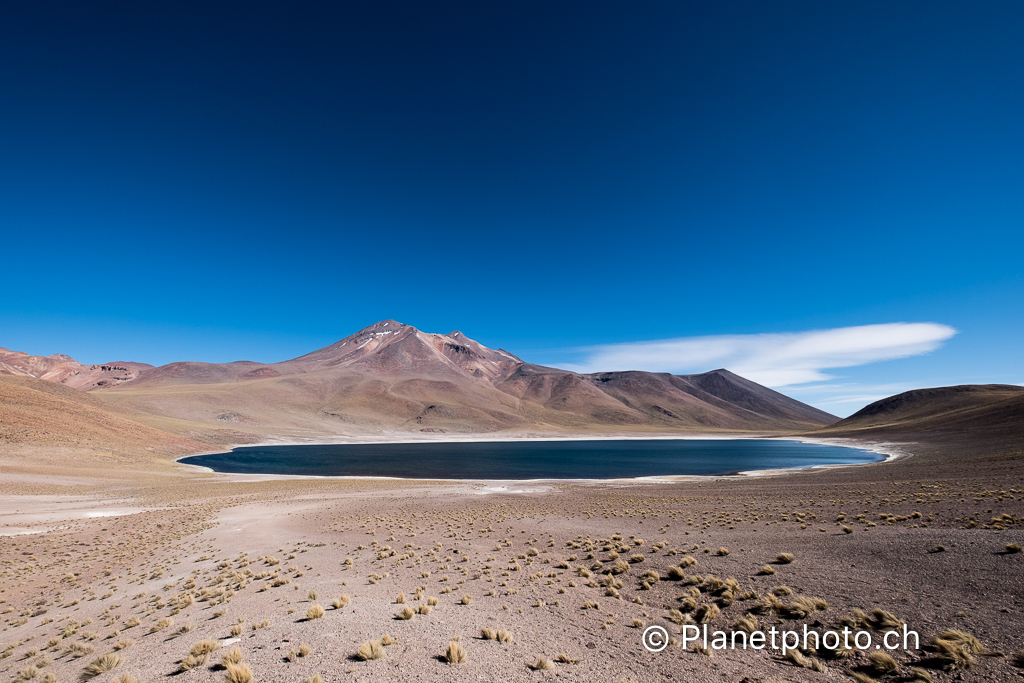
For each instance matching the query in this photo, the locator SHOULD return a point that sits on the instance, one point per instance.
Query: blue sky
(222, 181)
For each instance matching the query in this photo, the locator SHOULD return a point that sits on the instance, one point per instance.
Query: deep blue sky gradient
(216, 181)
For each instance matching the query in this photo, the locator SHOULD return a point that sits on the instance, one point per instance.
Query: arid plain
(119, 564)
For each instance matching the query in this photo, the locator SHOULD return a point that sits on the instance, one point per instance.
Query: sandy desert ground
(157, 570)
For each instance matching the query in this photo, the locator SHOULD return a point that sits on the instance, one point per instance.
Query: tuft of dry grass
(466, 599)
(563, 658)
(185, 628)
(707, 613)
(504, 637)
(101, 665)
(205, 647)
(455, 653)
(234, 657)
(339, 603)
(542, 664)
(884, 621)
(966, 641)
(785, 558)
(27, 674)
(748, 624)
(488, 634)
(166, 622)
(952, 654)
(192, 662)
(882, 662)
(1012, 548)
(238, 673)
(797, 659)
(722, 552)
(371, 649)
(920, 675)
(315, 612)
(406, 614)
(123, 644)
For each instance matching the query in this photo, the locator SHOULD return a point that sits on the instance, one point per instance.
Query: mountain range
(391, 377)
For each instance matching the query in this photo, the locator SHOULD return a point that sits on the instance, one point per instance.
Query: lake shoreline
(888, 451)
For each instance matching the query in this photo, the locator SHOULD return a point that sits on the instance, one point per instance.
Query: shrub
(204, 647)
(371, 649)
(107, 662)
(455, 653)
(882, 662)
(238, 673)
(166, 622)
(705, 614)
(315, 612)
(542, 664)
(192, 662)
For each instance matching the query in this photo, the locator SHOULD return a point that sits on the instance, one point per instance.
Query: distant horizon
(932, 339)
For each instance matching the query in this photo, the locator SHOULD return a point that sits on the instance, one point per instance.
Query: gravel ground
(924, 539)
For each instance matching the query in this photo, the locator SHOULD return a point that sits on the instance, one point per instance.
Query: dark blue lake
(532, 459)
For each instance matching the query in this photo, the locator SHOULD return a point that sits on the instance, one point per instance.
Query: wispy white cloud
(851, 393)
(775, 360)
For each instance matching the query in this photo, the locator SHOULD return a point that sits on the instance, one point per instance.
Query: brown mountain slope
(995, 410)
(41, 413)
(67, 371)
(391, 376)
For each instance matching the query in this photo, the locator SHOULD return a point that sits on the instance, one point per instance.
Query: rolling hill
(39, 412)
(996, 410)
